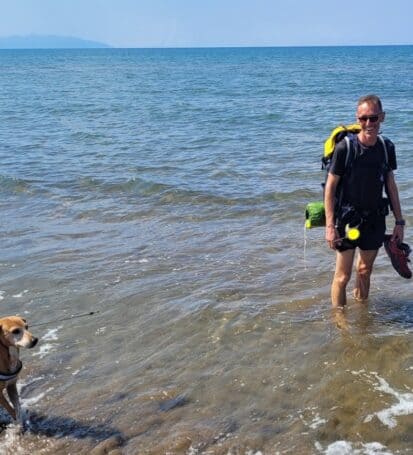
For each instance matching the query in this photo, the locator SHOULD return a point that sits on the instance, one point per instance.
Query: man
(361, 201)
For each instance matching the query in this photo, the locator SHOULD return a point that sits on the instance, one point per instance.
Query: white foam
(374, 448)
(11, 443)
(20, 294)
(403, 407)
(317, 421)
(44, 350)
(339, 448)
(33, 400)
(100, 331)
(347, 448)
(51, 335)
(2, 295)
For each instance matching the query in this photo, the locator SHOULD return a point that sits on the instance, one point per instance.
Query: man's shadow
(393, 314)
(396, 312)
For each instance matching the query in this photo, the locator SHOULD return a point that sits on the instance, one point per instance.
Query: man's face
(369, 116)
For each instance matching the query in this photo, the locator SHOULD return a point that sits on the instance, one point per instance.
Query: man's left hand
(398, 234)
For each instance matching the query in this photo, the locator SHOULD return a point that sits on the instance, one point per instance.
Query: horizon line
(234, 46)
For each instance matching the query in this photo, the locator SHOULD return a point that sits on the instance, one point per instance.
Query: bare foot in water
(340, 318)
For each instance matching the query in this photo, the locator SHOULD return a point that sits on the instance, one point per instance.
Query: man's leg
(342, 275)
(364, 268)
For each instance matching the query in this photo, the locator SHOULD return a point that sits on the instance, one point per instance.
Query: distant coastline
(49, 42)
(71, 42)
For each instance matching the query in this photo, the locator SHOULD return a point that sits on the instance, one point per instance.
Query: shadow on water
(373, 318)
(60, 427)
(396, 312)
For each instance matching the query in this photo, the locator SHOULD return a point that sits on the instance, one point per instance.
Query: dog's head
(14, 332)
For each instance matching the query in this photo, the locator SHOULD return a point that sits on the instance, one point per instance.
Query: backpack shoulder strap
(350, 153)
(386, 166)
(348, 148)
(386, 155)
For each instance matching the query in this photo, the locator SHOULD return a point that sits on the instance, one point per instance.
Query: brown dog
(13, 335)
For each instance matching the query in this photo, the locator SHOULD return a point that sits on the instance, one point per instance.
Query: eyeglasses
(372, 118)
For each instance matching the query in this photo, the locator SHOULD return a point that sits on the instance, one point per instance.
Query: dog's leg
(14, 398)
(7, 406)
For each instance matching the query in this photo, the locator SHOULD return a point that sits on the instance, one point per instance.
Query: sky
(212, 23)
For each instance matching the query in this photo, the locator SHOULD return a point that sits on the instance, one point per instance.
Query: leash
(73, 316)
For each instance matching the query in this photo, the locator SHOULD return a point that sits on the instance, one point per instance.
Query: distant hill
(48, 42)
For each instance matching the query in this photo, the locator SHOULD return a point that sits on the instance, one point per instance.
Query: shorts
(372, 232)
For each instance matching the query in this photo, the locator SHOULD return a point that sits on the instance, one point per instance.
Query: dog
(14, 335)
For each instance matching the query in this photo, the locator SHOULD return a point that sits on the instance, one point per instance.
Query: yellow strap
(330, 143)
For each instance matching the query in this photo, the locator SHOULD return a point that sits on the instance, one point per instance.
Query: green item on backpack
(315, 215)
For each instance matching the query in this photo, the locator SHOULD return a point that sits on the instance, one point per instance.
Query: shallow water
(157, 190)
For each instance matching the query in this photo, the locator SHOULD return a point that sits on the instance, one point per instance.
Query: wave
(137, 186)
(167, 193)
(176, 193)
(146, 195)
(11, 185)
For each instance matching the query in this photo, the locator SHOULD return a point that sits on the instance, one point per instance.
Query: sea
(152, 235)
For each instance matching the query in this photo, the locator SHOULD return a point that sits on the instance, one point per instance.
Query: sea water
(152, 211)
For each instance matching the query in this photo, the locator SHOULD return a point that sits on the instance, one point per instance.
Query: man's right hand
(332, 236)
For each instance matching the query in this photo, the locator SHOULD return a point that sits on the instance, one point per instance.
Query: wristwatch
(400, 222)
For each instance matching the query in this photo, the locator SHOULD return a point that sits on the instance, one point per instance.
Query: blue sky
(195, 23)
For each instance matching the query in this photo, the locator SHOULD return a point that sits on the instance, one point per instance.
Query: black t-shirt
(363, 181)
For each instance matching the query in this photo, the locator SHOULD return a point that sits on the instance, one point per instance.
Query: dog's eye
(15, 331)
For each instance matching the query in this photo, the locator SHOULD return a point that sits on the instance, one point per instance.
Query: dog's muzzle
(33, 343)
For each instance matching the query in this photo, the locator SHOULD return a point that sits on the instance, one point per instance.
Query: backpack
(314, 213)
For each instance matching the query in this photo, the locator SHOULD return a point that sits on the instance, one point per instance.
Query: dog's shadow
(60, 427)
